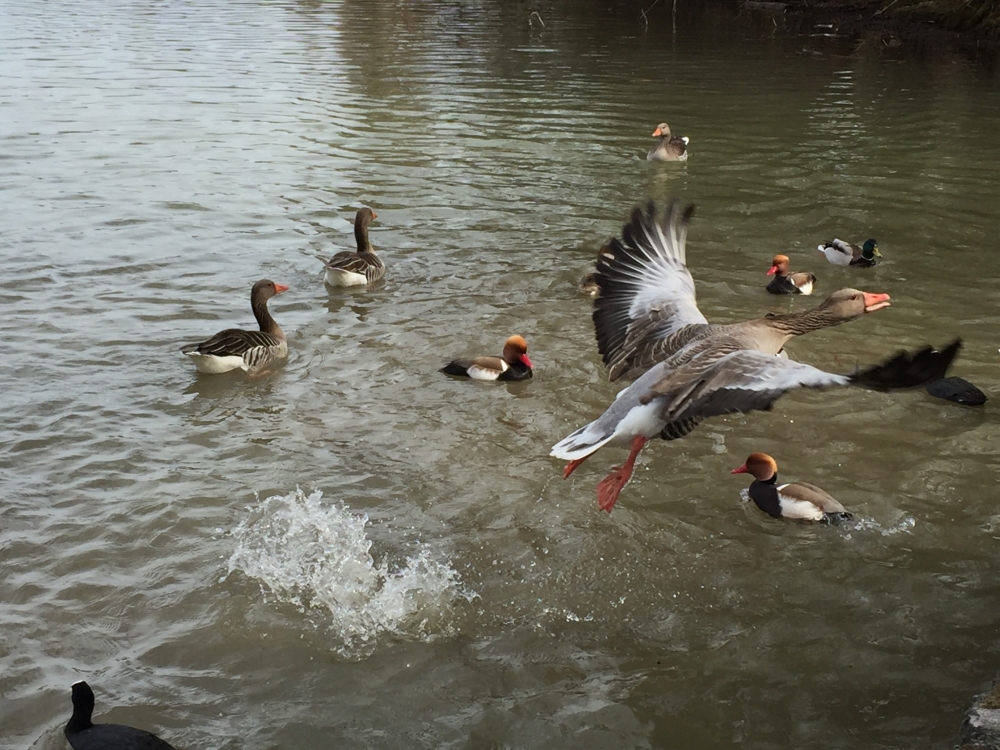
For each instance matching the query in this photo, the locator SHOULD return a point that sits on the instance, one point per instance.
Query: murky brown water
(160, 158)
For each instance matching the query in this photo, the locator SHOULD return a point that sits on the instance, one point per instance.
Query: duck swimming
(512, 365)
(796, 500)
(788, 283)
(842, 253)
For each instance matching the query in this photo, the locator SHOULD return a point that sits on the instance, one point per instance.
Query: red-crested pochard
(356, 268)
(670, 147)
(788, 283)
(842, 253)
(648, 326)
(798, 500)
(237, 349)
(513, 365)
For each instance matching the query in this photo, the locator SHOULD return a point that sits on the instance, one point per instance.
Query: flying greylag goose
(360, 268)
(842, 253)
(670, 147)
(798, 500)
(788, 283)
(236, 349)
(513, 365)
(83, 734)
(648, 326)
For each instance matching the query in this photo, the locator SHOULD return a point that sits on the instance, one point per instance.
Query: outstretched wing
(646, 306)
(748, 380)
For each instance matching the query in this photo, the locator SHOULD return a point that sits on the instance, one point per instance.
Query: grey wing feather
(234, 342)
(740, 381)
(368, 265)
(647, 295)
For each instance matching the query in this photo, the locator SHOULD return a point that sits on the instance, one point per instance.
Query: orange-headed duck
(649, 327)
(513, 365)
(798, 500)
(237, 349)
(788, 283)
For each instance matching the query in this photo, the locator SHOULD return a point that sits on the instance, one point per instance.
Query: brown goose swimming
(670, 147)
(797, 500)
(356, 268)
(788, 283)
(237, 349)
(513, 365)
(649, 327)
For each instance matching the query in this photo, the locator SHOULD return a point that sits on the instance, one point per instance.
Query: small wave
(317, 556)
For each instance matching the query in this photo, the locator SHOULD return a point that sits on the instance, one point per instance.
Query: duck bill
(657, 132)
(773, 270)
(875, 302)
(279, 288)
(741, 470)
(527, 362)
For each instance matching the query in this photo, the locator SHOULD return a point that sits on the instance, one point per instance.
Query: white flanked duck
(785, 282)
(670, 147)
(649, 327)
(356, 268)
(83, 734)
(237, 349)
(842, 253)
(797, 500)
(513, 365)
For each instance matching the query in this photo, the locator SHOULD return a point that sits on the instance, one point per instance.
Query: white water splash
(317, 556)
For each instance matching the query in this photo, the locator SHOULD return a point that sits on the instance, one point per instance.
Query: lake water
(357, 551)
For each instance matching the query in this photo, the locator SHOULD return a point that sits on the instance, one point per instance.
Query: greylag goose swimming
(83, 734)
(513, 365)
(670, 147)
(236, 349)
(788, 283)
(842, 253)
(356, 268)
(649, 327)
(588, 284)
(797, 500)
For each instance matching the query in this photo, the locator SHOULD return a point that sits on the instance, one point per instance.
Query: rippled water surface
(356, 551)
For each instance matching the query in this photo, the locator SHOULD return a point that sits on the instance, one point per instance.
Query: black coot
(85, 735)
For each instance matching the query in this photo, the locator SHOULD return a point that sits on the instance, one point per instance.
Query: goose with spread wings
(650, 330)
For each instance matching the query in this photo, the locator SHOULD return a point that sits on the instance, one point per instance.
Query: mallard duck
(842, 253)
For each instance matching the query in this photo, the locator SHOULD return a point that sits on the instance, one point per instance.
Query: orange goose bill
(237, 349)
(358, 268)
(796, 500)
(513, 365)
(788, 283)
(649, 327)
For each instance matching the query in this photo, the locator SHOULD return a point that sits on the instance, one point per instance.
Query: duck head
(759, 465)
(779, 265)
(516, 350)
(869, 251)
